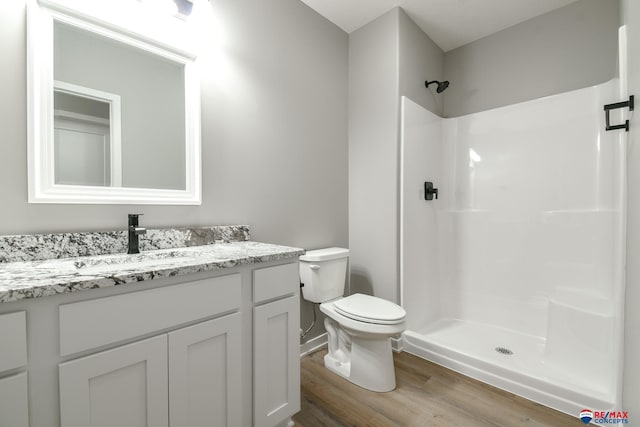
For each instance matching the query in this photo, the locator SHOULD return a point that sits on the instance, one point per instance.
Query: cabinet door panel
(14, 409)
(276, 361)
(13, 330)
(126, 386)
(204, 374)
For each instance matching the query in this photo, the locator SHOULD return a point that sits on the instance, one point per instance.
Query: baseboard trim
(397, 344)
(313, 344)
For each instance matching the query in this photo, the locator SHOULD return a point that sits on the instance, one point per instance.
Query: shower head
(441, 85)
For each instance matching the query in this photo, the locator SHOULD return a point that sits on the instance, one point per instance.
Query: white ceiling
(449, 23)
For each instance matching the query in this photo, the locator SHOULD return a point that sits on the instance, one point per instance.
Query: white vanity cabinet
(13, 356)
(215, 348)
(184, 378)
(180, 378)
(276, 348)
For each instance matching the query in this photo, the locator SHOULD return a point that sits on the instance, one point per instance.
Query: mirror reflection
(119, 114)
(84, 152)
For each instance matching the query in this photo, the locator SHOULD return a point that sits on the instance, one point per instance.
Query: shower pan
(514, 275)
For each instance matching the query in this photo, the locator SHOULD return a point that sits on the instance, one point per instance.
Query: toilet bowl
(359, 327)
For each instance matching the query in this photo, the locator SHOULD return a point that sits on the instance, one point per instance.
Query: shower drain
(503, 350)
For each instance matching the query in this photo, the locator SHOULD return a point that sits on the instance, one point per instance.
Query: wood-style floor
(426, 395)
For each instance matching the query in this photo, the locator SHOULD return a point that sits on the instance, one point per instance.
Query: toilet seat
(369, 309)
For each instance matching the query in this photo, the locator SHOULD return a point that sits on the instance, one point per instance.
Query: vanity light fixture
(178, 8)
(185, 7)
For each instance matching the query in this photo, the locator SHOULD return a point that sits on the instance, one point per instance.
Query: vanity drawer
(13, 330)
(275, 282)
(91, 324)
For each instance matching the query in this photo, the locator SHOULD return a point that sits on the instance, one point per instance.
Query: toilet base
(365, 362)
(337, 367)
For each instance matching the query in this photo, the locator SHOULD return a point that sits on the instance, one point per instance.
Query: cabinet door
(126, 386)
(204, 374)
(276, 361)
(14, 410)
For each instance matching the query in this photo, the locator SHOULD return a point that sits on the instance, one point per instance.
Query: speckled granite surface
(33, 247)
(35, 279)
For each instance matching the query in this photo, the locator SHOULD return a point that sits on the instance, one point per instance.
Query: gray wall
(569, 48)
(631, 393)
(274, 129)
(373, 157)
(388, 57)
(420, 59)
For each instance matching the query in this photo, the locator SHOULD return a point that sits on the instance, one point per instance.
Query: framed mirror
(114, 107)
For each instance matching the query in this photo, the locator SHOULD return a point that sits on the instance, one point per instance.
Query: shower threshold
(508, 360)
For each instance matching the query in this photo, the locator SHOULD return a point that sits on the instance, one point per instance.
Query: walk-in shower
(515, 273)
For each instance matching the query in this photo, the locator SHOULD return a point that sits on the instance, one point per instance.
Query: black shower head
(441, 85)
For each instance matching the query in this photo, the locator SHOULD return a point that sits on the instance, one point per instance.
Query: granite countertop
(39, 278)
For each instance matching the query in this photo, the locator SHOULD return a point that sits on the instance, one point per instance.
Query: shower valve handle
(429, 191)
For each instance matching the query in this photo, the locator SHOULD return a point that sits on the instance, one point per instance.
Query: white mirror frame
(111, 23)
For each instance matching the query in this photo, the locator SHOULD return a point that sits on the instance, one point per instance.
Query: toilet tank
(323, 273)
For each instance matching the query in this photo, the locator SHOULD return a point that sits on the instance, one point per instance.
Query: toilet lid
(366, 308)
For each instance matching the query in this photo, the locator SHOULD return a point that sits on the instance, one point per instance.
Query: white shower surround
(524, 249)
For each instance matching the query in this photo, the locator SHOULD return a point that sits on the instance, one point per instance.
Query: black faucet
(134, 232)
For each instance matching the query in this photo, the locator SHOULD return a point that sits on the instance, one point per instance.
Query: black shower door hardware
(609, 107)
(429, 191)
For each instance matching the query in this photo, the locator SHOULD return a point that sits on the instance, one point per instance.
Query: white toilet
(359, 326)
